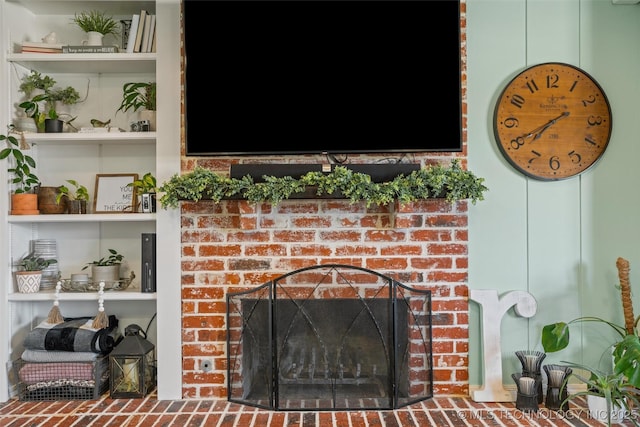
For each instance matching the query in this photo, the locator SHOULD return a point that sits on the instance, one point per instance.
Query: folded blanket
(58, 356)
(73, 335)
(32, 373)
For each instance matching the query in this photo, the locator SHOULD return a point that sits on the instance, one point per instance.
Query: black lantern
(132, 365)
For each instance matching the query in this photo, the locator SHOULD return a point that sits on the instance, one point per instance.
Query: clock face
(552, 121)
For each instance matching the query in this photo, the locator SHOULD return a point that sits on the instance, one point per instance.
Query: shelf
(69, 7)
(77, 218)
(126, 295)
(86, 62)
(84, 138)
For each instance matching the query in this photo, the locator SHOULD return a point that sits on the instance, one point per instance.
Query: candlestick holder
(527, 395)
(556, 388)
(531, 361)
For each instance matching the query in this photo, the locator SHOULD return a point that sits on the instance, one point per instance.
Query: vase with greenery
(75, 200)
(451, 182)
(96, 24)
(36, 80)
(107, 268)
(626, 349)
(140, 96)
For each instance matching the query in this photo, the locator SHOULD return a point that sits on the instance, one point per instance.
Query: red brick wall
(234, 245)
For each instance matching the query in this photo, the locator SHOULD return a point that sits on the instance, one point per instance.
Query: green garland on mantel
(434, 181)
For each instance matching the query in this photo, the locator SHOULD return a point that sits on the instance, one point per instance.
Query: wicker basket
(62, 380)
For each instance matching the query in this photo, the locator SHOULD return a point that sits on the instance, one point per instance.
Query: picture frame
(113, 194)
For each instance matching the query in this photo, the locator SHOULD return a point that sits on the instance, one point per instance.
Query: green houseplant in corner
(24, 200)
(626, 350)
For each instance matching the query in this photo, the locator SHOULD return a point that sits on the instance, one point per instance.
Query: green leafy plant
(626, 351)
(35, 80)
(96, 20)
(614, 388)
(68, 95)
(23, 176)
(33, 262)
(138, 95)
(112, 259)
(147, 184)
(452, 183)
(80, 192)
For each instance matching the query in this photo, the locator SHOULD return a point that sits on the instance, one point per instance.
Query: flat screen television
(322, 77)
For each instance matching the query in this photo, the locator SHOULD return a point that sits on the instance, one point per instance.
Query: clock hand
(537, 132)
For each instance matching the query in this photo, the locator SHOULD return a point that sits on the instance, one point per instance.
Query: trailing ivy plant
(449, 182)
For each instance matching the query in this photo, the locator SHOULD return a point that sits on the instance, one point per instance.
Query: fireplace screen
(329, 337)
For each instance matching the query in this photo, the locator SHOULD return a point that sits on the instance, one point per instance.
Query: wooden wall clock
(552, 121)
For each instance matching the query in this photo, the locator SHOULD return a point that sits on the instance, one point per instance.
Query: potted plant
(30, 273)
(626, 350)
(24, 199)
(146, 189)
(76, 200)
(96, 24)
(610, 396)
(107, 268)
(140, 96)
(36, 81)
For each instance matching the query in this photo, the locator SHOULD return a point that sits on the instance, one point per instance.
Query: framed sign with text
(113, 194)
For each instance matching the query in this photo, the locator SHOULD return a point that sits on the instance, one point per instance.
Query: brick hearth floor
(147, 412)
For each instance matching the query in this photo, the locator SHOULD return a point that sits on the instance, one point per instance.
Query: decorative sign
(113, 194)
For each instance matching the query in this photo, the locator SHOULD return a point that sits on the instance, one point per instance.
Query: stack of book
(41, 47)
(142, 33)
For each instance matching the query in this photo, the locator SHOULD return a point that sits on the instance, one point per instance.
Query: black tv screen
(313, 77)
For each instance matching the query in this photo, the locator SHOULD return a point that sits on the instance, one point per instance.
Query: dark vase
(53, 125)
(77, 206)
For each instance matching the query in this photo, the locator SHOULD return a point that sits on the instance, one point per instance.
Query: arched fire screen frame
(329, 337)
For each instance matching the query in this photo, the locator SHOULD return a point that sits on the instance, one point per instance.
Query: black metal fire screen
(329, 337)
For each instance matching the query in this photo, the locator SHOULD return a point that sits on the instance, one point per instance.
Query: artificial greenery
(33, 262)
(452, 183)
(80, 192)
(138, 95)
(614, 388)
(96, 20)
(35, 80)
(23, 176)
(112, 259)
(147, 184)
(68, 96)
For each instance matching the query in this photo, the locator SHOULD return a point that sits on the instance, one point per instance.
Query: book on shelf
(149, 35)
(140, 32)
(40, 50)
(89, 49)
(133, 31)
(146, 33)
(42, 45)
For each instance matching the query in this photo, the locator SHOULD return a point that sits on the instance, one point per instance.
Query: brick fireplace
(235, 246)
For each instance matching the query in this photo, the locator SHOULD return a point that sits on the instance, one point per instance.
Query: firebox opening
(330, 337)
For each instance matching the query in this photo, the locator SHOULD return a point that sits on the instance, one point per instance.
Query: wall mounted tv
(313, 77)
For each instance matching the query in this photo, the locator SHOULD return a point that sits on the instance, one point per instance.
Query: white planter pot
(598, 410)
(28, 281)
(105, 273)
